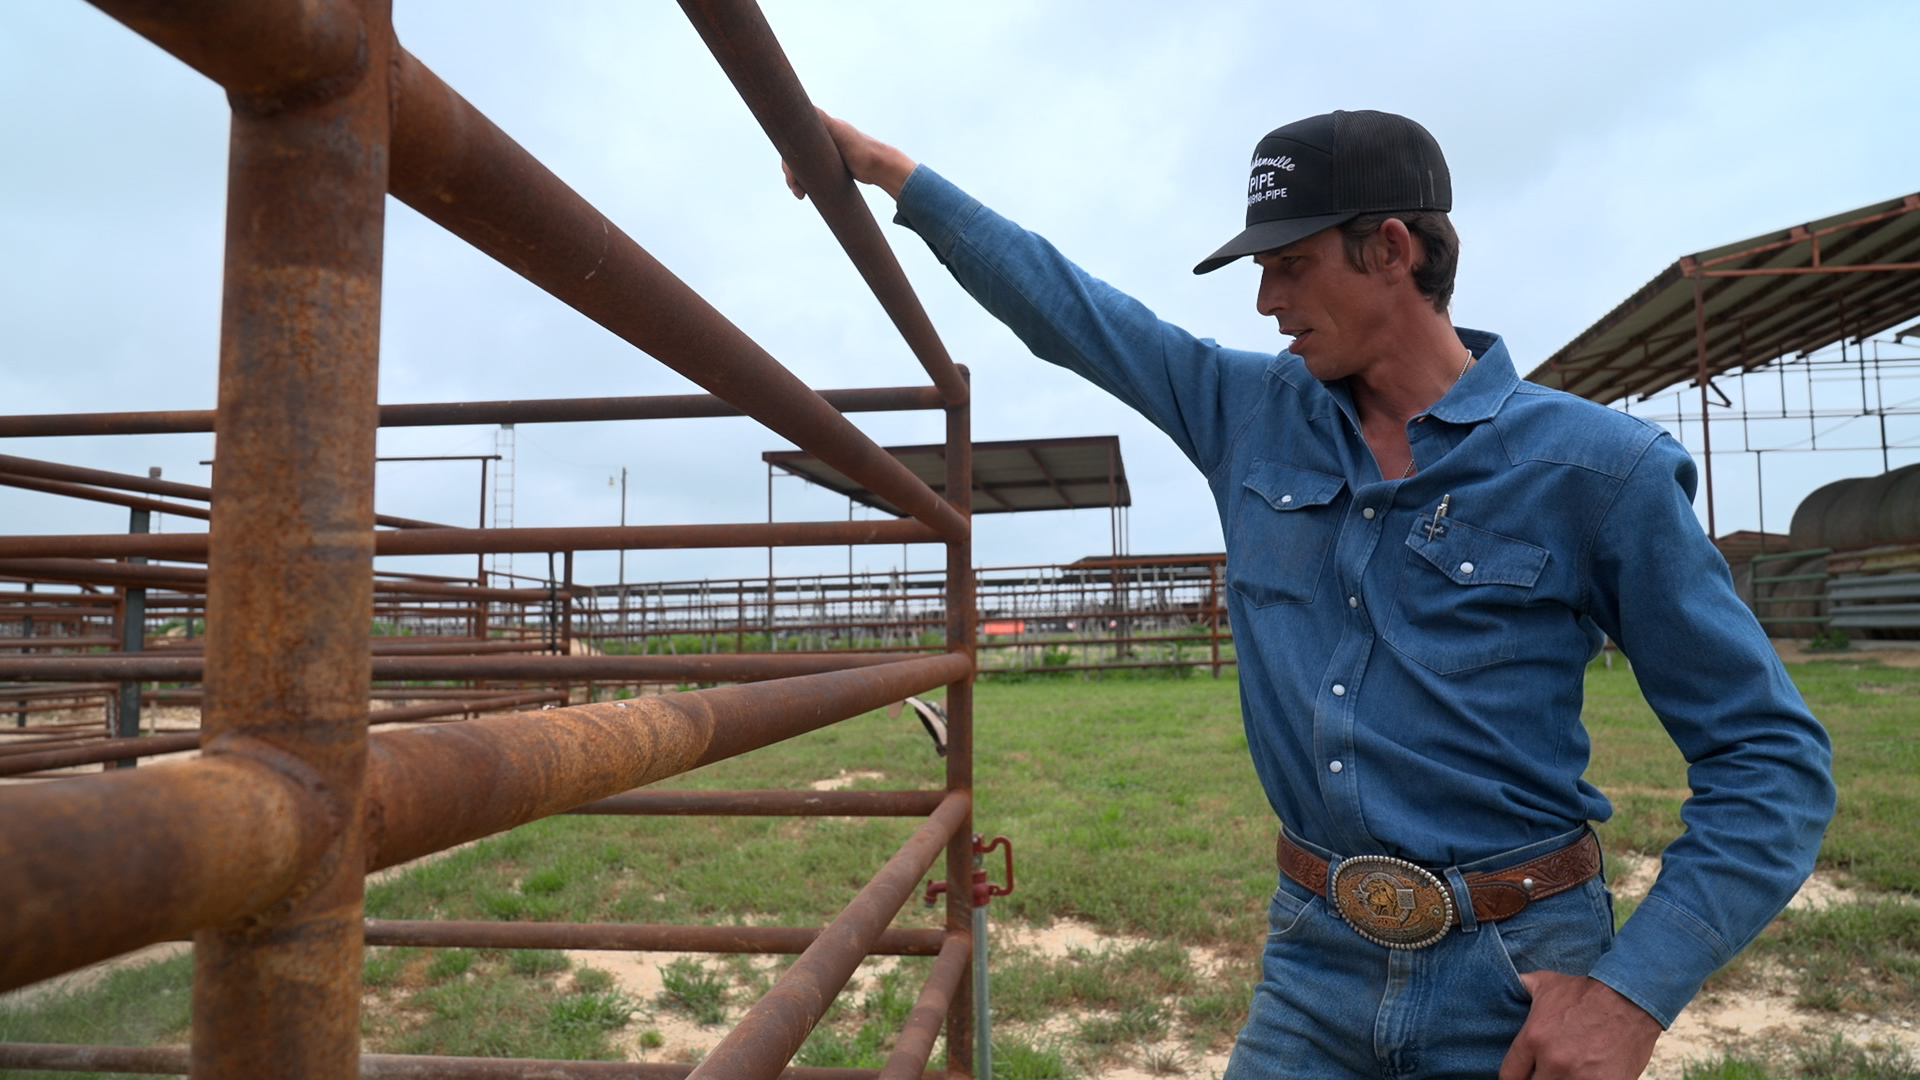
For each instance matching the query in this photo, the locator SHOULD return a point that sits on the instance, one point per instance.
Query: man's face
(1332, 312)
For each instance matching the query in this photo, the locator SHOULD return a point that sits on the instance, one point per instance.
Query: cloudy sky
(1591, 144)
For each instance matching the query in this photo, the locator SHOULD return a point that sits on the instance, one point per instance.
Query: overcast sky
(1591, 144)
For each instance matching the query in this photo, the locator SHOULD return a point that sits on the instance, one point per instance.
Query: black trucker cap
(1326, 170)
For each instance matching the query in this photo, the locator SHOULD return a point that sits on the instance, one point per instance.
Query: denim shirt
(1413, 688)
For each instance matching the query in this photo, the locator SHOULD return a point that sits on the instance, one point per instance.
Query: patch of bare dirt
(846, 779)
(1754, 1020)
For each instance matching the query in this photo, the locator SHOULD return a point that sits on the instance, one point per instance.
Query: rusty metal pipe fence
(258, 849)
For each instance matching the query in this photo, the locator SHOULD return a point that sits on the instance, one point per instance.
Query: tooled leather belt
(1398, 904)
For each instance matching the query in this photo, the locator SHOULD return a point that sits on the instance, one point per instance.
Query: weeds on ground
(1850, 958)
(1832, 1059)
(493, 1008)
(690, 987)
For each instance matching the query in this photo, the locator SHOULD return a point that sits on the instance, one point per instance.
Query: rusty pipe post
(771, 1032)
(961, 618)
(133, 638)
(738, 35)
(1706, 421)
(289, 598)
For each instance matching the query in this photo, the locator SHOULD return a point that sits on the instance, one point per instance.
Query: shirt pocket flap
(1286, 487)
(1470, 556)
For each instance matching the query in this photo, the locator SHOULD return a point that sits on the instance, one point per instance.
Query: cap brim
(1267, 235)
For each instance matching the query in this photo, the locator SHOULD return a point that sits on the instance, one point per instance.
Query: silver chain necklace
(1456, 379)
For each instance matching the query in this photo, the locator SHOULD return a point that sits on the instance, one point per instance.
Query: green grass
(1132, 806)
(1869, 710)
(146, 1005)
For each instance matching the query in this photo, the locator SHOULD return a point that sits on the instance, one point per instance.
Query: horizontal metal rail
(768, 803)
(194, 579)
(449, 541)
(53, 470)
(631, 937)
(174, 742)
(1808, 553)
(103, 495)
(124, 859)
(453, 413)
(692, 667)
(172, 1060)
(1874, 587)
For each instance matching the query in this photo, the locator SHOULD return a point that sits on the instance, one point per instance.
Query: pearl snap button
(1339, 690)
(1466, 568)
(1334, 766)
(1353, 601)
(1367, 513)
(1286, 498)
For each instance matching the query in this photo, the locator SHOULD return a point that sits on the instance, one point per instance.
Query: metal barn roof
(1781, 294)
(1014, 476)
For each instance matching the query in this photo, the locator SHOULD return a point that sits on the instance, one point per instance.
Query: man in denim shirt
(1423, 554)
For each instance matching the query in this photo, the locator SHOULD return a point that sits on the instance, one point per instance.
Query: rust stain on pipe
(432, 788)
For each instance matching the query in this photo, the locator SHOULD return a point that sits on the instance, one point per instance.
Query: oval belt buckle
(1392, 902)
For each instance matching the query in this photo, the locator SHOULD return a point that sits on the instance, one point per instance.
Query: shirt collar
(1479, 393)
(1477, 396)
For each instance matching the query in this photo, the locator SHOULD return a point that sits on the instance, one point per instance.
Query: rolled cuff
(932, 206)
(1660, 958)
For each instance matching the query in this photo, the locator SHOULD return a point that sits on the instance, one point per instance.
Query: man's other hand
(1579, 1029)
(868, 159)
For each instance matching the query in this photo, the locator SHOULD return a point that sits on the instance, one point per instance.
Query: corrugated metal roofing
(1014, 476)
(1781, 294)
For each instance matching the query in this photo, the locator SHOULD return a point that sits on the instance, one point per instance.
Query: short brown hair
(1434, 276)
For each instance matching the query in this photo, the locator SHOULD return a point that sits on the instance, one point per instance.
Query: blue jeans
(1332, 1004)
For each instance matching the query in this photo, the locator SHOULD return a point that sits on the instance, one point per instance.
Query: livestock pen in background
(258, 848)
(1101, 613)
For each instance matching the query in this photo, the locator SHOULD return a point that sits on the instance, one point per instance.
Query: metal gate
(259, 848)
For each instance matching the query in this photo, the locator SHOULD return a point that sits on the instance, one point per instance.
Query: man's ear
(1396, 251)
